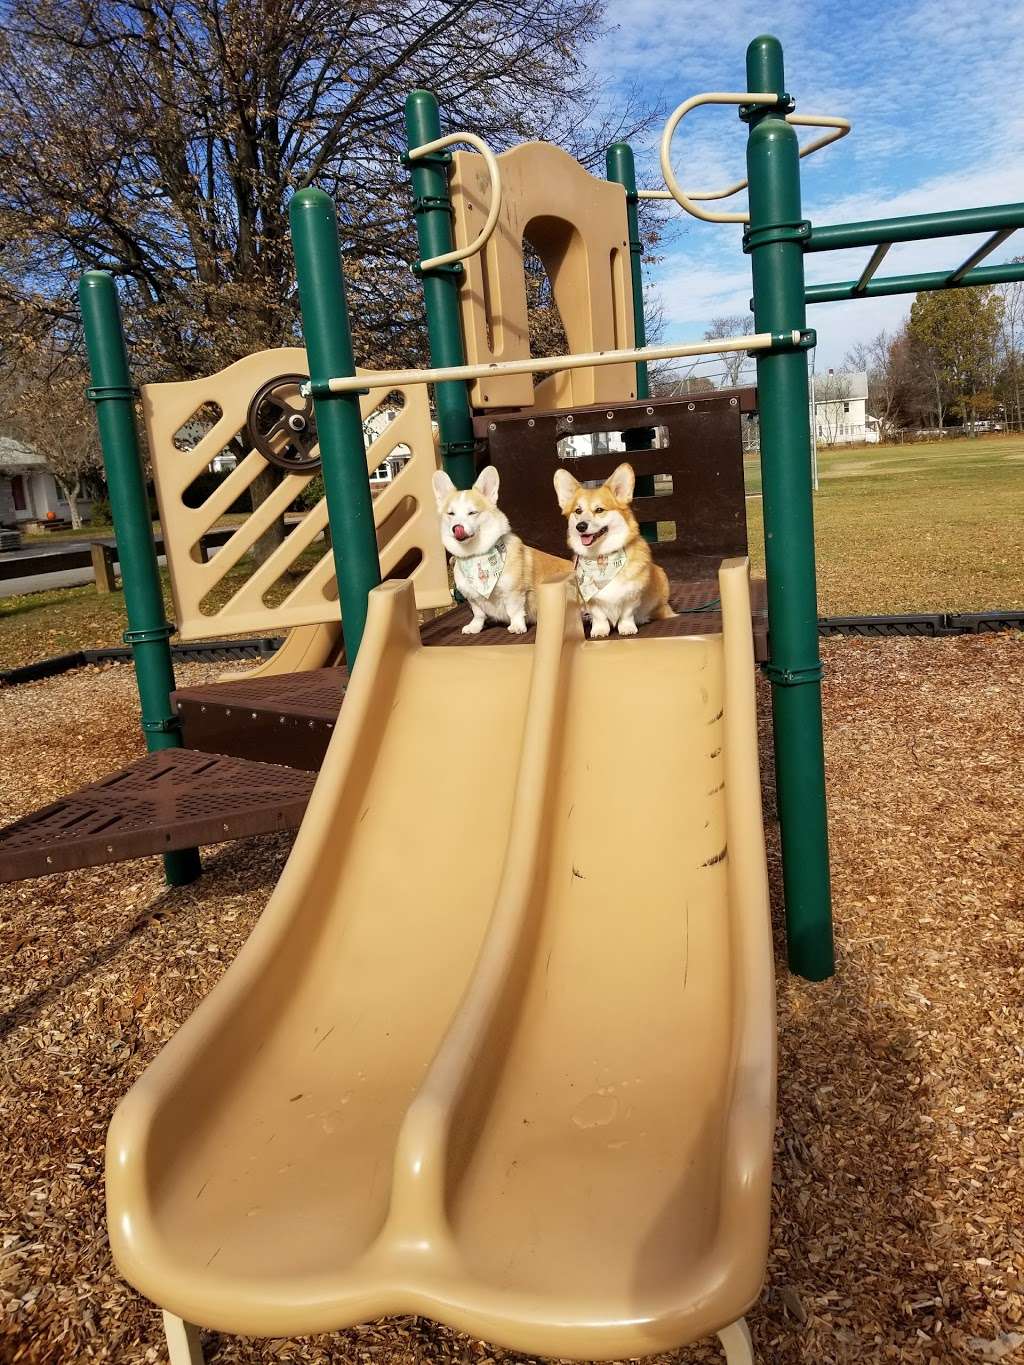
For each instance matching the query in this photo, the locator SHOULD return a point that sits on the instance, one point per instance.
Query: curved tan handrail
(471, 139)
(838, 127)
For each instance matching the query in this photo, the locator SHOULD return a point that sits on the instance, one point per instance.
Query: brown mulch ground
(899, 1198)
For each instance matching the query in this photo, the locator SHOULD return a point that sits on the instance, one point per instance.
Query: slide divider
(417, 1224)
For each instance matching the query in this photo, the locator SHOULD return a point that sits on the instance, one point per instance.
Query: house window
(846, 407)
(18, 493)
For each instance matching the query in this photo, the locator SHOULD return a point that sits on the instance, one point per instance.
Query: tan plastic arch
(505, 1058)
(577, 225)
(314, 598)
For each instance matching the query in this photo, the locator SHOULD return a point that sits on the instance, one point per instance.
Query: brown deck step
(178, 798)
(289, 718)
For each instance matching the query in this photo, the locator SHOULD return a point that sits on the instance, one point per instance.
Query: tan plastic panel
(577, 225)
(303, 649)
(519, 1078)
(314, 598)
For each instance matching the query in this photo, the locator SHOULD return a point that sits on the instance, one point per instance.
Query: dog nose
(581, 526)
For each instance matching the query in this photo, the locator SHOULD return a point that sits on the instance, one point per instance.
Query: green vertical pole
(148, 631)
(339, 423)
(774, 242)
(620, 167)
(432, 207)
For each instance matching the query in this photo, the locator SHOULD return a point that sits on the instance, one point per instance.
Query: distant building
(840, 408)
(28, 490)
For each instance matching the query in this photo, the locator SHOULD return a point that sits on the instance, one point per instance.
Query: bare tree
(733, 325)
(831, 406)
(1012, 346)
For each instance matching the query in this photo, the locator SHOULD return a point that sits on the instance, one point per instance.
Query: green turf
(935, 526)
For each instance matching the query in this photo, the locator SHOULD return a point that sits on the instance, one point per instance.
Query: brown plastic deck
(289, 717)
(174, 799)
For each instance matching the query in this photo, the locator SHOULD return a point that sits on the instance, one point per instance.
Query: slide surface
(500, 1050)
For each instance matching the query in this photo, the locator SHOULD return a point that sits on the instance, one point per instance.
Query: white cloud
(933, 130)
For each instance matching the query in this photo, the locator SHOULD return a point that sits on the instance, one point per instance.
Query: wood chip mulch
(898, 1228)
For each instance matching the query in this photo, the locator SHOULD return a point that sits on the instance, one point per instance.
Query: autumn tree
(954, 335)
(163, 139)
(44, 408)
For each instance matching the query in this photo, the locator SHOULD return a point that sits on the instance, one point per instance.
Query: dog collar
(594, 574)
(478, 574)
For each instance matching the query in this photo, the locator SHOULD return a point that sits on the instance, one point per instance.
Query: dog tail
(662, 612)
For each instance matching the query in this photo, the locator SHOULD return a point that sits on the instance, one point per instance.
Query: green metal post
(621, 168)
(339, 423)
(774, 241)
(148, 631)
(432, 208)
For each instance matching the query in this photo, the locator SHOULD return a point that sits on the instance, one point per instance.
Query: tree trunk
(71, 492)
(260, 489)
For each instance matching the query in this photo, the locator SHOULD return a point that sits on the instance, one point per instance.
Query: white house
(28, 491)
(839, 400)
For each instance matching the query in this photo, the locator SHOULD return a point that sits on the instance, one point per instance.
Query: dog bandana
(478, 574)
(594, 574)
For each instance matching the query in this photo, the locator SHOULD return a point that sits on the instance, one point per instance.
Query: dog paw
(517, 628)
(627, 627)
(600, 632)
(474, 628)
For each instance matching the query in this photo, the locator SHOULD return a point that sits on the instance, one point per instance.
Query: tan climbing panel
(576, 223)
(189, 423)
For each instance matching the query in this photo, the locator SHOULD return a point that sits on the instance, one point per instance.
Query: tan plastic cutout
(577, 225)
(314, 599)
(501, 1048)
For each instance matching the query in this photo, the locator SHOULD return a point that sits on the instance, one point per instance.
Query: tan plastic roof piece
(407, 503)
(577, 225)
(500, 1050)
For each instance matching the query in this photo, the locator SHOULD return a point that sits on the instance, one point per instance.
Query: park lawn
(935, 526)
(40, 624)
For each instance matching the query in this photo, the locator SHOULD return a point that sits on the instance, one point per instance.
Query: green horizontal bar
(914, 284)
(914, 228)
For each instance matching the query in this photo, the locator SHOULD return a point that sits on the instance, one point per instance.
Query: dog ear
(487, 484)
(566, 489)
(621, 483)
(443, 487)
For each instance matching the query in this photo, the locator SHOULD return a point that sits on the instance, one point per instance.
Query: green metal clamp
(784, 104)
(439, 160)
(793, 677)
(798, 231)
(424, 203)
(167, 726)
(142, 637)
(455, 448)
(96, 393)
(455, 268)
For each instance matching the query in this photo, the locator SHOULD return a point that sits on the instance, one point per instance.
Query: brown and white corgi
(618, 582)
(494, 571)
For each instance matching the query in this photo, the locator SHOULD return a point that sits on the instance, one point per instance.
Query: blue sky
(932, 90)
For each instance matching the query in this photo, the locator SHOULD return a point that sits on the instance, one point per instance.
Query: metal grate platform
(174, 799)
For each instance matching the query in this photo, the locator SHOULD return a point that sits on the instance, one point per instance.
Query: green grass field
(936, 526)
(930, 527)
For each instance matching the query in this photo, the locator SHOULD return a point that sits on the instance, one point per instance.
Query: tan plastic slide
(500, 1050)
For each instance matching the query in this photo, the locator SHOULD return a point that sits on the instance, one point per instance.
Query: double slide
(500, 1050)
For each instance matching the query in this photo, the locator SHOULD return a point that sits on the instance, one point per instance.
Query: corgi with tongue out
(618, 582)
(494, 571)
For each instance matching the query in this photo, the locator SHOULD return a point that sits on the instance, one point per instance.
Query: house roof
(16, 456)
(848, 384)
